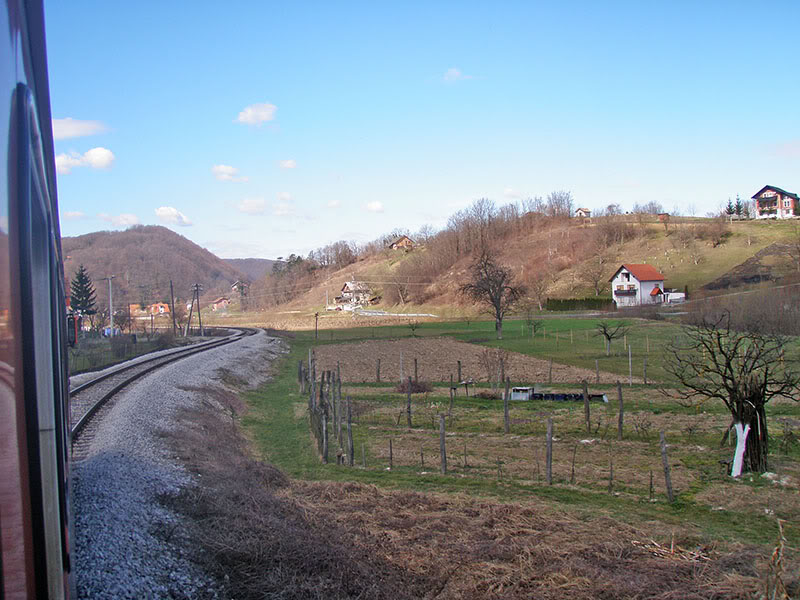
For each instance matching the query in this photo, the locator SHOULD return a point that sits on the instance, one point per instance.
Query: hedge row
(579, 304)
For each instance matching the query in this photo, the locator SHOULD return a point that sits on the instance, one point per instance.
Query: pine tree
(83, 294)
(739, 207)
(730, 209)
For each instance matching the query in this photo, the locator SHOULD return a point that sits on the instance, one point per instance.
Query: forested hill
(143, 259)
(252, 268)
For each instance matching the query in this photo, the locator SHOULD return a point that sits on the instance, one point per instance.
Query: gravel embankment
(127, 544)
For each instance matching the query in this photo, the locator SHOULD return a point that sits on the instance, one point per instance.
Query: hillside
(564, 257)
(252, 268)
(143, 260)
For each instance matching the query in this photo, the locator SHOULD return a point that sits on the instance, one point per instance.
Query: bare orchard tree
(611, 332)
(594, 272)
(744, 370)
(539, 285)
(559, 204)
(492, 286)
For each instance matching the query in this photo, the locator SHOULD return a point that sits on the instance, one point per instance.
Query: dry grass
(269, 537)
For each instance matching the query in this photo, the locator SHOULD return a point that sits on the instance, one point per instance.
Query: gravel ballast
(127, 543)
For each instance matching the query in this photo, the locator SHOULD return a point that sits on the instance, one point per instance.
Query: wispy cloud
(288, 164)
(334, 203)
(252, 206)
(122, 220)
(510, 192)
(64, 129)
(282, 209)
(453, 74)
(96, 158)
(172, 216)
(73, 214)
(227, 173)
(374, 206)
(256, 114)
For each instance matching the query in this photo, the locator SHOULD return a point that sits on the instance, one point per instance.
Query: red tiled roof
(645, 272)
(656, 292)
(641, 272)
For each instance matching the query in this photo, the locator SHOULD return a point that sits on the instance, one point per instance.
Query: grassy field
(484, 461)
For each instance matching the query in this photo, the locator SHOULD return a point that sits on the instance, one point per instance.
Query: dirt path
(438, 358)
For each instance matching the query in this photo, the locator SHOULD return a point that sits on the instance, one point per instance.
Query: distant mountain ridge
(143, 260)
(253, 268)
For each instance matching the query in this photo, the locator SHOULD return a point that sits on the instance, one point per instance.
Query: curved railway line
(88, 398)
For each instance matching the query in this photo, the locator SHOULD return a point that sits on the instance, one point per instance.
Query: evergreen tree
(730, 209)
(83, 294)
(739, 207)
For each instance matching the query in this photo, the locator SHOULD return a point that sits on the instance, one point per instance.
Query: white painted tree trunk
(741, 441)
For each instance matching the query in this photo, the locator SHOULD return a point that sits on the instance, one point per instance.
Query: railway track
(88, 399)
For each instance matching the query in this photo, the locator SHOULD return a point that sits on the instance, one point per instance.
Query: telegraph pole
(172, 306)
(197, 289)
(189, 322)
(110, 302)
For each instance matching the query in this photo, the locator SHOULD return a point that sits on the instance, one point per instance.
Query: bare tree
(744, 370)
(594, 272)
(529, 311)
(539, 285)
(492, 286)
(611, 332)
(559, 204)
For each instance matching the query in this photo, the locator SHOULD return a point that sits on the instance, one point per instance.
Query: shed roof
(777, 189)
(642, 272)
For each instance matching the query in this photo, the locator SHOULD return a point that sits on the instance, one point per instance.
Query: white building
(635, 285)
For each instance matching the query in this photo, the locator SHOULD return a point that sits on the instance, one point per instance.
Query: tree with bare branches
(742, 369)
(594, 272)
(611, 332)
(492, 286)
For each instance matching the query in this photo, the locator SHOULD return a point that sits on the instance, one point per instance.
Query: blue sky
(259, 129)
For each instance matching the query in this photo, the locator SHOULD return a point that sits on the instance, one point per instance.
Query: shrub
(417, 387)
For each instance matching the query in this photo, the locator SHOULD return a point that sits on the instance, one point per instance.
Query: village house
(159, 308)
(354, 292)
(635, 285)
(583, 213)
(774, 203)
(402, 243)
(220, 303)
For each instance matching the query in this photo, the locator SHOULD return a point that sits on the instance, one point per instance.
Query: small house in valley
(774, 203)
(354, 292)
(220, 303)
(402, 243)
(583, 213)
(635, 285)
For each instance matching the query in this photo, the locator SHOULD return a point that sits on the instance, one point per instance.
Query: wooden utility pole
(172, 307)
(189, 321)
(199, 288)
(110, 303)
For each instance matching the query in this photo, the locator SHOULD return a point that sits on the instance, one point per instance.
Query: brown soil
(437, 359)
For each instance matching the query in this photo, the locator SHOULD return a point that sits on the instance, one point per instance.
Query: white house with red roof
(634, 285)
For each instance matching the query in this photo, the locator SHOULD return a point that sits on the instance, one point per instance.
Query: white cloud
(252, 206)
(282, 209)
(172, 216)
(374, 206)
(287, 164)
(123, 220)
(70, 128)
(284, 196)
(227, 173)
(74, 214)
(96, 158)
(334, 203)
(510, 192)
(452, 75)
(256, 114)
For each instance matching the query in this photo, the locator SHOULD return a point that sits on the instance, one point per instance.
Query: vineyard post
(549, 456)
(620, 412)
(408, 403)
(665, 461)
(586, 409)
(506, 421)
(442, 448)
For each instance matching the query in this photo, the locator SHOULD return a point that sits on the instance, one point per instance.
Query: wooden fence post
(549, 455)
(378, 371)
(416, 375)
(596, 371)
(408, 403)
(391, 457)
(324, 409)
(506, 421)
(586, 410)
(550, 372)
(630, 367)
(644, 369)
(620, 412)
(572, 474)
(665, 461)
(442, 447)
(460, 379)
(450, 408)
(350, 447)
(363, 456)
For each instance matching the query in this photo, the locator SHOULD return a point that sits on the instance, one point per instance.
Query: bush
(417, 387)
(563, 304)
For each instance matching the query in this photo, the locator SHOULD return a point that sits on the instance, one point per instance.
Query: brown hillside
(144, 259)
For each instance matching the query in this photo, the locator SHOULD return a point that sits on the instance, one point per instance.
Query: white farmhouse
(634, 285)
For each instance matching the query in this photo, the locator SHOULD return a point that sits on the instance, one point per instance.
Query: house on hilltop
(402, 243)
(583, 213)
(635, 285)
(774, 203)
